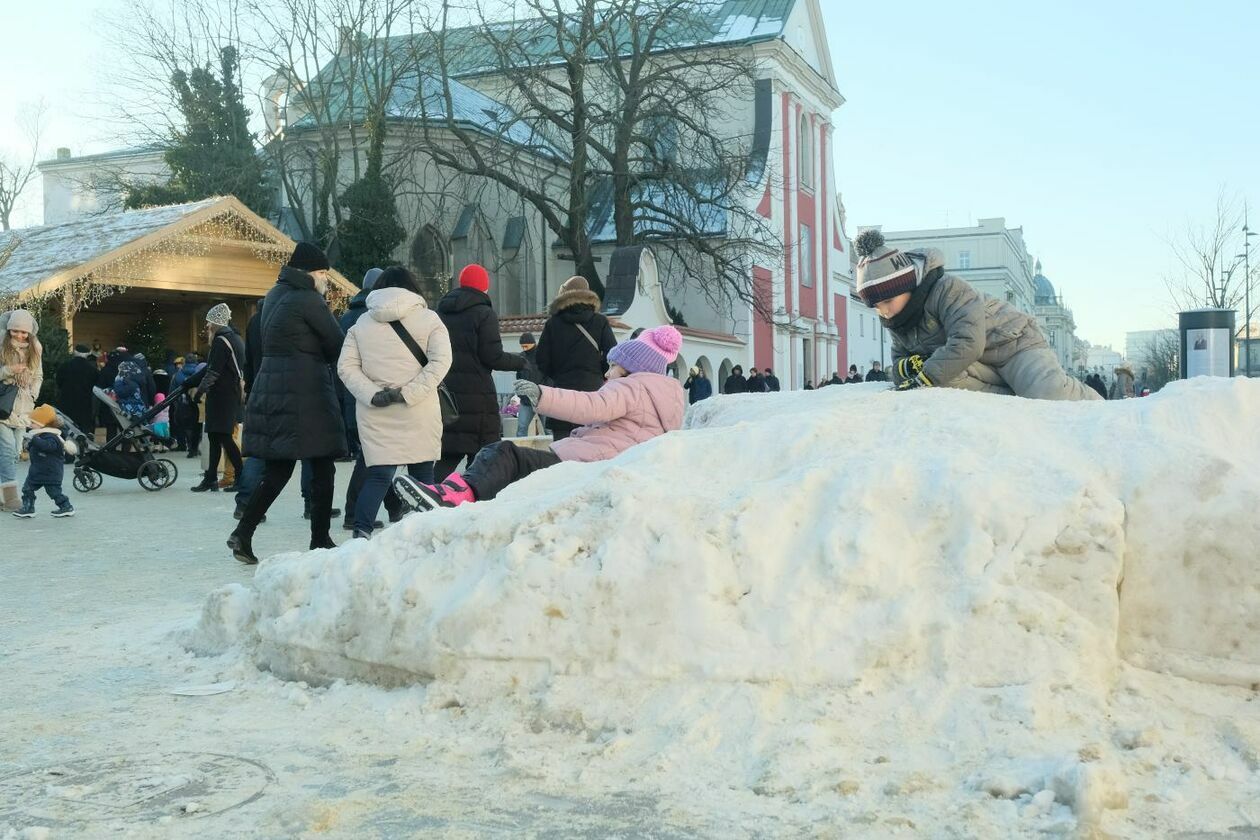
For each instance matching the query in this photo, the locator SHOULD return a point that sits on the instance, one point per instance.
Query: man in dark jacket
(855, 376)
(772, 381)
(220, 383)
(75, 380)
(477, 348)
(529, 373)
(573, 349)
(293, 413)
(876, 373)
(756, 382)
(735, 383)
(697, 386)
(835, 379)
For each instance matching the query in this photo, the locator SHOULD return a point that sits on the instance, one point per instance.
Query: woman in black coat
(293, 413)
(477, 349)
(220, 383)
(573, 350)
(75, 379)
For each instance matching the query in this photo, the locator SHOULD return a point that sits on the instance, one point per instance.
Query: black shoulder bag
(450, 409)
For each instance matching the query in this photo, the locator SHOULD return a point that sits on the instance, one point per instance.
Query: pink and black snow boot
(452, 492)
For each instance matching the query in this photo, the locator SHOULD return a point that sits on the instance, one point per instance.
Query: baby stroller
(128, 454)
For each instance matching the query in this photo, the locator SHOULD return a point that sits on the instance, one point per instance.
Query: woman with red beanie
(477, 349)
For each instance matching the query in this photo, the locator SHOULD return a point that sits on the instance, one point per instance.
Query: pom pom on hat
(868, 242)
(651, 352)
(219, 315)
(476, 277)
(309, 257)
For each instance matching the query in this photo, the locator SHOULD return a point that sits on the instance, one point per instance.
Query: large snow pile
(907, 610)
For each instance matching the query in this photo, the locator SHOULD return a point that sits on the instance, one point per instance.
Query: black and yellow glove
(910, 372)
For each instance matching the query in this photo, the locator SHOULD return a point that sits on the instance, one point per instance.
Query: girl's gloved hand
(528, 390)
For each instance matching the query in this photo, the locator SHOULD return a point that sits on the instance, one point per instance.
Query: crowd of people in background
(394, 384)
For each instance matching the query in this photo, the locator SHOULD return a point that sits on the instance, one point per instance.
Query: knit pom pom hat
(883, 272)
(219, 315)
(475, 277)
(651, 352)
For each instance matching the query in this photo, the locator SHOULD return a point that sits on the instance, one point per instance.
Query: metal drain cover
(145, 786)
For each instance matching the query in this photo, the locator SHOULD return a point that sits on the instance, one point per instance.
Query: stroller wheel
(172, 471)
(153, 475)
(86, 479)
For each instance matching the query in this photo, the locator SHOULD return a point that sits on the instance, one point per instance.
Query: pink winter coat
(623, 412)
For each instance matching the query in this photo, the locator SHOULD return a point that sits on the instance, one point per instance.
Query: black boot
(322, 541)
(209, 482)
(241, 549)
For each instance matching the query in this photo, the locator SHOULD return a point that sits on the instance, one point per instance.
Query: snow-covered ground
(841, 613)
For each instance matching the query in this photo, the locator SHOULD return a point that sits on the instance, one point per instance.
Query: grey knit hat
(885, 272)
(219, 315)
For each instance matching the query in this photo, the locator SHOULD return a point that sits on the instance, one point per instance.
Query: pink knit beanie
(651, 352)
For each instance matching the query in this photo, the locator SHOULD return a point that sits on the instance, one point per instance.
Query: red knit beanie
(475, 277)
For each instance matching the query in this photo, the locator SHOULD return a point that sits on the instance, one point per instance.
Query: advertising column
(1207, 342)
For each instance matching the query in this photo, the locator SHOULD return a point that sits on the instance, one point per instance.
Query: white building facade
(1055, 320)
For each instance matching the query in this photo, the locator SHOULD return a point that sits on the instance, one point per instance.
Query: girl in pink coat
(638, 402)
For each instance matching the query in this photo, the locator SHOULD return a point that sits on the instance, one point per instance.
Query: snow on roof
(41, 252)
(663, 206)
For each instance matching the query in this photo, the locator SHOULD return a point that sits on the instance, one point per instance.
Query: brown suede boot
(9, 498)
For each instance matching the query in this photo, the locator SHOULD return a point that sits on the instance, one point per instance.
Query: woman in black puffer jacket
(477, 349)
(293, 413)
(573, 350)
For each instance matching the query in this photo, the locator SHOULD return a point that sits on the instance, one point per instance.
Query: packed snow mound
(896, 611)
(850, 534)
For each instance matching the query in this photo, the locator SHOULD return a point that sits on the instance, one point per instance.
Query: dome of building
(1043, 289)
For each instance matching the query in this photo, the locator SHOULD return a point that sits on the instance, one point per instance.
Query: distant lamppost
(1246, 258)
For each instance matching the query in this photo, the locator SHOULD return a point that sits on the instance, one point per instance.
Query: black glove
(910, 371)
(387, 396)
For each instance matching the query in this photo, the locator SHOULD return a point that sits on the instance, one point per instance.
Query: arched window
(805, 152)
(431, 263)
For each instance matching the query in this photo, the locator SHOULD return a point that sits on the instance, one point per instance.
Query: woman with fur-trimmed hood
(1122, 388)
(573, 350)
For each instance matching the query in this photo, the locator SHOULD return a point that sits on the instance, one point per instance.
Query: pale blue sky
(1099, 127)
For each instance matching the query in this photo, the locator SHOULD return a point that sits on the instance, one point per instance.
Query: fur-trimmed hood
(575, 297)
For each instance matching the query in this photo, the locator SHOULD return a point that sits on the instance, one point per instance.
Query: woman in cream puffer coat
(399, 416)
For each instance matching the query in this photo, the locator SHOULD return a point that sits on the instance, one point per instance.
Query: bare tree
(1209, 273)
(604, 103)
(17, 171)
(1161, 360)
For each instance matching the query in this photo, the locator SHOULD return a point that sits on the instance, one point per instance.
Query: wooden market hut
(104, 273)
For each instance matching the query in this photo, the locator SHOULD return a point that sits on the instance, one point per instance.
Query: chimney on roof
(63, 153)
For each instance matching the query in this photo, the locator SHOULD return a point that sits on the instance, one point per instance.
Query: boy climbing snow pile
(946, 333)
(637, 403)
(48, 454)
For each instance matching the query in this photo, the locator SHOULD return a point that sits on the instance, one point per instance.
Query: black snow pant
(276, 475)
(560, 429)
(499, 464)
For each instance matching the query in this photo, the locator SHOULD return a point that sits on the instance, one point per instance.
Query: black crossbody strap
(411, 343)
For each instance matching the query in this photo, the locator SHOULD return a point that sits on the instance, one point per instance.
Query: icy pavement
(95, 742)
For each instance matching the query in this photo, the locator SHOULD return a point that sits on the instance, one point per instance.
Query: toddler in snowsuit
(946, 333)
(48, 453)
(127, 391)
(162, 422)
(638, 402)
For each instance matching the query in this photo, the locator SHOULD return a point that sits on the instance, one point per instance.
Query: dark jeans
(499, 464)
(53, 490)
(306, 477)
(222, 444)
(560, 429)
(276, 475)
(392, 503)
(247, 479)
(376, 484)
